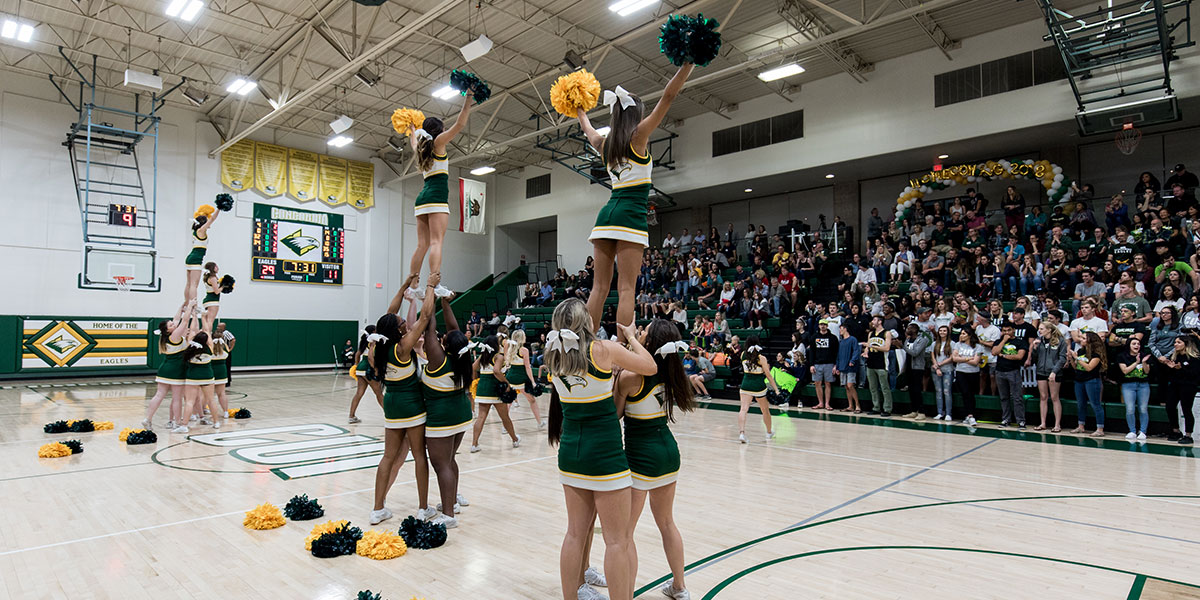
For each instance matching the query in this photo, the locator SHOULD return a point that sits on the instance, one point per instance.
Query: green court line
(1138, 576)
(1168, 449)
(654, 584)
(1135, 592)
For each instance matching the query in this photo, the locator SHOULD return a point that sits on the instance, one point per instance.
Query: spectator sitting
(547, 294)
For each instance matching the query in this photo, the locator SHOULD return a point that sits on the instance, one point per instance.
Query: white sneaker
(417, 293)
(970, 421)
(180, 429)
(194, 418)
(206, 421)
(462, 500)
(593, 576)
(517, 442)
(587, 592)
(742, 438)
(541, 425)
(381, 515)
(427, 513)
(938, 418)
(1141, 436)
(171, 425)
(668, 590)
(147, 425)
(449, 522)
(474, 449)
(457, 508)
(217, 424)
(442, 292)
(1131, 436)
(770, 435)
(353, 420)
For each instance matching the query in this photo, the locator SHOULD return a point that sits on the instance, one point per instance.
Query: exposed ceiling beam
(933, 31)
(835, 12)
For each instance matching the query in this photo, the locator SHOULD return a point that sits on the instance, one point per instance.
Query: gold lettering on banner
(237, 166)
(302, 174)
(332, 180)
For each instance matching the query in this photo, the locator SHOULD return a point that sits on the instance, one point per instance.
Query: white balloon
(1057, 170)
(1058, 177)
(924, 189)
(908, 203)
(953, 183)
(908, 189)
(1029, 161)
(1050, 192)
(1055, 185)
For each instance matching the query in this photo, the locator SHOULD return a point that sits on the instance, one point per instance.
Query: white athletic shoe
(207, 412)
(457, 508)
(461, 500)
(938, 418)
(353, 420)
(449, 522)
(474, 449)
(668, 590)
(206, 421)
(587, 592)
(770, 435)
(427, 513)
(147, 425)
(180, 429)
(442, 292)
(1141, 436)
(217, 424)
(517, 442)
(742, 438)
(593, 576)
(171, 425)
(1131, 436)
(970, 421)
(417, 293)
(381, 515)
(194, 418)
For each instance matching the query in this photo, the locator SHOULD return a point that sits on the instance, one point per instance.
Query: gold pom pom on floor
(320, 528)
(103, 425)
(381, 545)
(405, 120)
(574, 91)
(54, 450)
(264, 516)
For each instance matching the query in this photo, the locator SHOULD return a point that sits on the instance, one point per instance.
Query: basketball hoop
(1128, 138)
(123, 282)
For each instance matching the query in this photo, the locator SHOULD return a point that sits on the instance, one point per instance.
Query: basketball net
(1128, 138)
(123, 282)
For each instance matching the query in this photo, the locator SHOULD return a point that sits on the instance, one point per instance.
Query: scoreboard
(297, 246)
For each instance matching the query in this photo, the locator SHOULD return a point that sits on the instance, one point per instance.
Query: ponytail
(554, 427)
(434, 127)
(192, 351)
(751, 356)
(677, 391)
(164, 332)
(461, 364)
(388, 326)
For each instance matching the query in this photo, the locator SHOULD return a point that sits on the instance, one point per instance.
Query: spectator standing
(848, 360)
(1134, 365)
(1010, 352)
(823, 357)
(1180, 175)
(1050, 356)
(1089, 360)
(879, 343)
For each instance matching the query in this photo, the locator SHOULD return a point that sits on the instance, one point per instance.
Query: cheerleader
(403, 404)
(433, 204)
(365, 374)
(519, 374)
(620, 232)
(648, 404)
(489, 367)
(212, 297)
(198, 385)
(448, 407)
(173, 371)
(755, 378)
(220, 367)
(195, 258)
(592, 466)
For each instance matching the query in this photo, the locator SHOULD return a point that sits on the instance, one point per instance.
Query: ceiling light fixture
(748, 190)
(397, 143)
(943, 156)
(625, 8)
(829, 176)
(241, 86)
(573, 60)
(444, 93)
(781, 72)
(196, 95)
(16, 30)
(367, 77)
(483, 170)
(340, 124)
(338, 141)
(480, 46)
(184, 9)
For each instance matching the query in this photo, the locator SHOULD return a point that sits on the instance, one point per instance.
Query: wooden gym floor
(834, 507)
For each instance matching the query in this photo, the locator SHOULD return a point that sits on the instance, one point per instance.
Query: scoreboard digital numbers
(297, 246)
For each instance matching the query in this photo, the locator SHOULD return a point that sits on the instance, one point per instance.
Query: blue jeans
(1027, 280)
(1089, 392)
(1137, 398)
(1012, 284)
(681, 289)
(943, 386)
(881, 274)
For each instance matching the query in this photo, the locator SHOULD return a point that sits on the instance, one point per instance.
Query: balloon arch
(1058, 186)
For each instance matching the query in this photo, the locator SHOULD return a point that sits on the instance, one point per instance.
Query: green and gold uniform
(199, 369)
(650, 448)
(624, 217)
(213, 296)
(195, 258)
(754, 381)
(489, 388)
(590, 454)
(449, 409)
(220, 362)
(403, 402)
(434, 196)
(515, 374)
(173, 370)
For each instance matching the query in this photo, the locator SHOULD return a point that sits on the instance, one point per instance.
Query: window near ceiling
(998, 76)
(756, 134)
(537, 186)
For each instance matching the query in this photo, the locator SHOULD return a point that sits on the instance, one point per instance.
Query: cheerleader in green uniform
(173, 371)
(198, 385)
(445, 380)
(433, 204)
(365, 374)
(211, 303)
(756, 375)
(490, 369)
(592, 466)
(621, 233)
(220, 367)
(403, 403)
(519, 375)
(648, 404)
(207, 215)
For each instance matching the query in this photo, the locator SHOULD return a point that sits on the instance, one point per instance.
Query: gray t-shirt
(1096, 289)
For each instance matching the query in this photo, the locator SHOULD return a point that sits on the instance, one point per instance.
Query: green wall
(260, 343)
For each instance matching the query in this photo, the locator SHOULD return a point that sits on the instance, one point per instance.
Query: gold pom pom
(125, 433)
(264, 516)
(405, 120)
(206, 210)
(574, 91)
(320, 528)
(381, 545)
(54, 450)
(103, 425)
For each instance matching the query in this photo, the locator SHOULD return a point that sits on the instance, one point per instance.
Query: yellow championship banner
(332, 180)
(270, 169)
(360, 192)
(237, 166)
(302, 174)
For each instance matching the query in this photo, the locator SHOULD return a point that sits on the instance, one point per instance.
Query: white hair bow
(195, 344)
(670, 348)
(378, 338)
(754, 349)
(513, 343)
(611, 97)
(563, 340)
(422, 134)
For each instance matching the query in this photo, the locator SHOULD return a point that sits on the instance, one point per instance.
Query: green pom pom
(466, 82)
(683, 39)
(422, 535)
(242, 413)
(482, 92)
(367, 595)
(342, 542)
(75, 445)
(55, 427)
(82, 426)
(144, 436)
(224, 202)
(300, 508)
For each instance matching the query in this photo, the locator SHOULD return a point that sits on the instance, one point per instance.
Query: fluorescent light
(483, 170)
(241, 86)
(339, 140)
(176, 7)
(603, 131)
(748, 190)
(340, 124)
(9, 30)
(781, 72)
(25, 33)
(943, 156)
(829, 176)
(627, 7)
(444, 93)
(193, 9)
(16, 30)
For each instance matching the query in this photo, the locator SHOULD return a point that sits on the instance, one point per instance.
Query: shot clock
(296, 246)
(124, 215)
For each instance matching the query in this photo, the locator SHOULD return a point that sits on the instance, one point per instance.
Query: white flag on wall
(472, 199)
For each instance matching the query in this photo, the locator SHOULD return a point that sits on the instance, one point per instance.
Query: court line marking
(243, 511)
(137, 464)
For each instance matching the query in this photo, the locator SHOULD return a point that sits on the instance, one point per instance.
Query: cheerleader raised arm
(195, 259)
